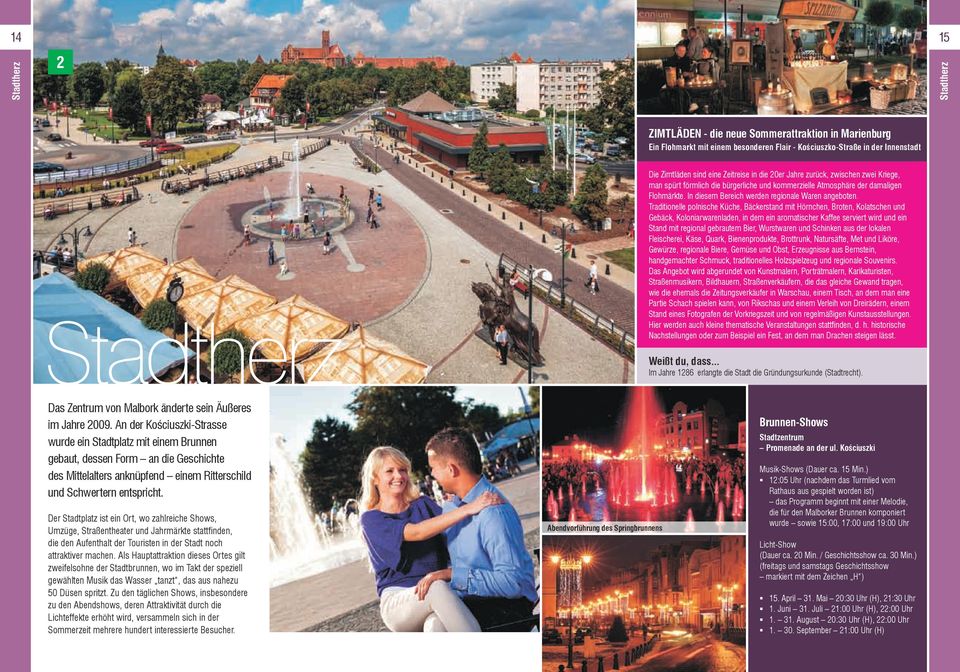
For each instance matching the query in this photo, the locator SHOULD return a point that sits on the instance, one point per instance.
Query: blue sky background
(468, 31)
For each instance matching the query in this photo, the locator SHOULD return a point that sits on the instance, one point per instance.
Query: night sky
(594, 413)
(610, 553)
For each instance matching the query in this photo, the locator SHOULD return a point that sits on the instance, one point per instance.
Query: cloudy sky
(468, 31)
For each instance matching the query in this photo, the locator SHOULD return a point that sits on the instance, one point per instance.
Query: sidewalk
(618, 275)
(614, 301)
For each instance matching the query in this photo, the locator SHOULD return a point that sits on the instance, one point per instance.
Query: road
(702, 653)
(696, 653)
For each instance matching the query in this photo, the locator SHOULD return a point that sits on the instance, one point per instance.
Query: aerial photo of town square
(354, 192)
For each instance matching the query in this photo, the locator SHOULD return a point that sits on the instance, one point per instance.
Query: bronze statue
(498, 306)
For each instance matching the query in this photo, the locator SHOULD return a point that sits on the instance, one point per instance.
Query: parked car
(153, 142)
(169, 147)
(585, 158)
(54, 137)
(552, 636)
(194, 139)
(45, 123)
(226, 135)
(47, 167)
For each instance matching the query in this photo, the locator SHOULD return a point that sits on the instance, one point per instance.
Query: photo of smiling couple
(459, 567)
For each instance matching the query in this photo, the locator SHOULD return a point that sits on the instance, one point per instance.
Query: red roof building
(360, 59)
(330, 55)
(267, 90)
(450, 143)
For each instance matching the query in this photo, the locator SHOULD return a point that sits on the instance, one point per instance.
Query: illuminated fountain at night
(640, 479)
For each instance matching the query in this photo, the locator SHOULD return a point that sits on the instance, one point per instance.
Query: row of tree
(171, 92)
(883, 13)
(538, 186)
(404, 417)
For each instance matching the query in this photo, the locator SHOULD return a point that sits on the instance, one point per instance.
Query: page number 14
(15, 36)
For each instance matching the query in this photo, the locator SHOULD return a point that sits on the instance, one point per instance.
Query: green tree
(112, 69)
(617, 105)
(93, 277)
(159, 315)
(533, 398)
(127, 101)
(455, 84)
(506, 98)
(49, 87)
(879, 14)
(590, 203)
(501, 170)
(911, 18)
(404, 417)
(170, 93)
(481, 419)
(331, 462)
(252, 76)
(231, 348)
(479, 152)
(221, 78)
(293, 98)
(617, 631)
(593, 119)
(88, 83)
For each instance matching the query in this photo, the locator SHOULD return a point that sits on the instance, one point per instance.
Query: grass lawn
(96, 123)
(624, 258)
(195, 155)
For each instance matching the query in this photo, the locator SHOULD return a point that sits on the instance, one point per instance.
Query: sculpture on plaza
(498, 306)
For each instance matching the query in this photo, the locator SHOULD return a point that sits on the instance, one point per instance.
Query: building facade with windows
(267, 90)
(540, 85)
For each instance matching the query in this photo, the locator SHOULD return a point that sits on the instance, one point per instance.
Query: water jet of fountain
(553, 510)
(294, 188)
(292, 528)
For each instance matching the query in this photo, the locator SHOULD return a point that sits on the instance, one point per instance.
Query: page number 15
(945, 37)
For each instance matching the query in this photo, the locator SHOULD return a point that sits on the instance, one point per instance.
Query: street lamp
(686, 612)
(75, 236)
(533, 274)
(563, 262)
(726, 602)
(568, 564)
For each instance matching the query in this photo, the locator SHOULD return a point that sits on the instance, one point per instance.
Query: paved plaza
(407, 281)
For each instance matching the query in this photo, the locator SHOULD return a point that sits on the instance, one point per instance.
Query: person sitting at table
(679, 59)
(67, 256)
(708, 66)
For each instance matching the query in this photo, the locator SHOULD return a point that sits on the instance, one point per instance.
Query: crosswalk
(47, 146)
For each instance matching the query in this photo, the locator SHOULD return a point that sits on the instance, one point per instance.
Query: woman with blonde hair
(403, 531)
